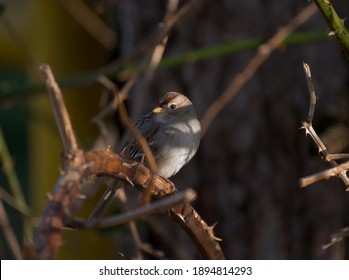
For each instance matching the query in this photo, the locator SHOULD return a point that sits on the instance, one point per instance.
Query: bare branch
(326, 174)
(202, 234)
(105, 163)
(134, 229)
(138, 213)
(91, 22)
(14, 203)
(337, 237)
(309, 130)
(21, 43)
(139, 176)
(69, 143)
(311, 92)
(119, 95)
(337, 170)
(159, 49)
(127, 122)
(263, 54)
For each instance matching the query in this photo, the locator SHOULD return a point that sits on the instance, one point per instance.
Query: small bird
(172, 131)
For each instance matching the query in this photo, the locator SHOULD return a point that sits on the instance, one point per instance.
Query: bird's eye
(173, 106)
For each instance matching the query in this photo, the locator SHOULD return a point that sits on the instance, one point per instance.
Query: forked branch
(338, 169)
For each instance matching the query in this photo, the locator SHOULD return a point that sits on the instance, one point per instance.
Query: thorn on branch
(337, 170)
(337, 237)
(49, 196)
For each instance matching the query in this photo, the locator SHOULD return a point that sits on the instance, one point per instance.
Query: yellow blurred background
(35, 32)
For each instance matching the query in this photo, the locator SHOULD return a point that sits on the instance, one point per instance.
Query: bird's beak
(158, 110)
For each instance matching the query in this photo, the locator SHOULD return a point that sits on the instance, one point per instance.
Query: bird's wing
(148, 128)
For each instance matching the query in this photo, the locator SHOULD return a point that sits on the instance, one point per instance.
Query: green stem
(335, 23)
(197, 55)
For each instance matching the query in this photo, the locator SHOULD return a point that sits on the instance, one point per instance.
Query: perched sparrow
(172, 131)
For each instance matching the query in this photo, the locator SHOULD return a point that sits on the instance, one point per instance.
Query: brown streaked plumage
(173, 134)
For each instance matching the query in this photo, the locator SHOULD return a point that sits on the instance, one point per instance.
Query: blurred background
(247, 168)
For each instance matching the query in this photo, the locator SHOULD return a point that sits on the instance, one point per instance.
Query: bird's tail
(106, 199)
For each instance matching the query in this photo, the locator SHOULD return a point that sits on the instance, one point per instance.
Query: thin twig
(111, 107)
(309, 129)
(337, 170)
(8, 170)
(159, 49)
(91, 22)
(141, 212)
(101, 6)
(131, 215)
(20, 42)
(140, 245)
(152, 62)
(116, 65)
(121, 96)
(338, 156)
(311, 92)
(337, 237)
(183, 12)
(17, 199)
(165, 235)
(157, 55)
(14, 203)
(9, 234)
(262, 55)
(127, 122)
(326, 174)
(66, 133)
(132, 224)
